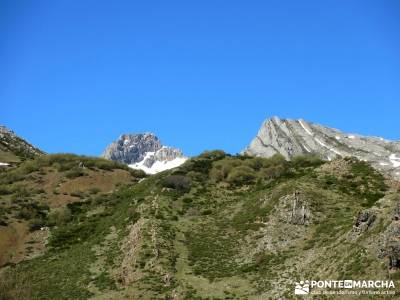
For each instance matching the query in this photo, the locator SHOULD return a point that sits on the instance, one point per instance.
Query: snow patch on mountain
(144, 151)
(305, 128)
(158, 166)
(394, 160)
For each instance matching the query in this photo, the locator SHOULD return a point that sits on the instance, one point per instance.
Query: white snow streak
(317, 140)
(158, 166)
(304, 127)
(4, 164)
(305, 147)
(324, 145)
(394, 160)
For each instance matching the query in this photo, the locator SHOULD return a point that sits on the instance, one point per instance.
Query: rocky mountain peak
(131, 148)
(290, 138)
(144, 151)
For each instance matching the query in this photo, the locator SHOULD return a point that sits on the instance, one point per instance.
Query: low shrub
(213, 155)
(59, 217)
(178, 182)
(74, 172)
(306, 161)
(5, 190)
(222, 168)
(273, 172)
(36, 224)
(241, 175)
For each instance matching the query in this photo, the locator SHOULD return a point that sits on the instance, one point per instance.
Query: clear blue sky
(74, 75)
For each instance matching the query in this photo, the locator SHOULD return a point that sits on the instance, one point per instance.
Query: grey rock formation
(390, 244)
(298, 137)
(143, 151)
(163, 154)
(363, 222)
(131, 148)
(300, 214)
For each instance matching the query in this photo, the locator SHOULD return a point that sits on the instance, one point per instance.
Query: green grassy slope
(218, 227)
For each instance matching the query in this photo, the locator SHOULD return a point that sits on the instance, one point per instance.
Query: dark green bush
(5, 190)
(198, 165)
(273, 172)
(241, 175)
(213, 155)
(137, 173)
(59, 217)
(306, 161)
(68, 235)
(222, 168)
(256, 163)
(178, 182)
(275, 160)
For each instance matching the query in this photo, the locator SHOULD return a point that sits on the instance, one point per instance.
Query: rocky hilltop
(13, 148)
(144, 151)
(299, 137)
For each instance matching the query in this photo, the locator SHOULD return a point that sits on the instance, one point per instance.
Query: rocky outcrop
(300, 214)
(298, 137)
(144, 151)
(15, 147)
(163, 154)
(364, 220)
(294, 209)
(390, 244)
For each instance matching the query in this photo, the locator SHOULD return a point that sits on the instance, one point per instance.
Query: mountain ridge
(291, 137)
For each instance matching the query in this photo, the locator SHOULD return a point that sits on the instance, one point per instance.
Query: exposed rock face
(298, 137)
(390, 246)
(131, 148)
(16, 147)
(144, 151)
(300, 214)
(364, 221)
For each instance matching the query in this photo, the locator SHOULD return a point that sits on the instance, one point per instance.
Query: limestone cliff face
(298, 137)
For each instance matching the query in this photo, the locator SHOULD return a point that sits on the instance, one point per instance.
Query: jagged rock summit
(299, 137)
(144, 151)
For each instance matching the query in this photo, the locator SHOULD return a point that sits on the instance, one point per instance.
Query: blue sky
(74, 75)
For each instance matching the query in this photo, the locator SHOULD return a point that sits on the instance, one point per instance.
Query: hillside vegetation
(218, 227)
(35, 196)
(14, 149)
